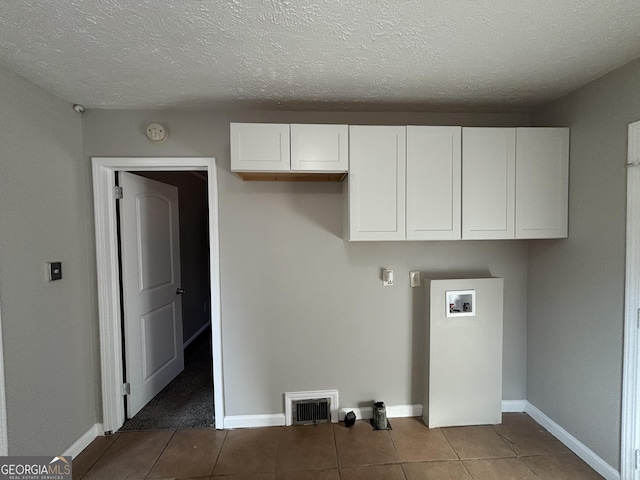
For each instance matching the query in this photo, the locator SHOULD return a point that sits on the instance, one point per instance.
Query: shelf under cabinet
(291, 176)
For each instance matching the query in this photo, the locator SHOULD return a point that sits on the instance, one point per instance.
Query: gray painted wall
(301, 308)
(49, 329)
(576, 286)
(194, 246)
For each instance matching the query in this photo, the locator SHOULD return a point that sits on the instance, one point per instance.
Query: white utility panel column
(464, 336)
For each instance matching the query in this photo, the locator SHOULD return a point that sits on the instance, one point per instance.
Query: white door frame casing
(104, 173)
(630, 431)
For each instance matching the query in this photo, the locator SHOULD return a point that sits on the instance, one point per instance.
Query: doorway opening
(174, 257)
(186, 402)
(110, 317)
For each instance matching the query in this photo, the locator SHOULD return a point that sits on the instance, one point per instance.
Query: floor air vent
(315, 406)
(314, 410)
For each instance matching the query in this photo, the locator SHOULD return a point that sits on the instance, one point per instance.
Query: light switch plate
(414, 278)
(54, 269)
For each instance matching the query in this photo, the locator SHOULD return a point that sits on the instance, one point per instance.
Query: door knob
(180, 291)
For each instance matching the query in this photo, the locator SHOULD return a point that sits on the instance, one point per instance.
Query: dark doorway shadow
(187, 402)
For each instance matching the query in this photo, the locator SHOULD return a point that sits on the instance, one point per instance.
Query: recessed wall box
(460, 303)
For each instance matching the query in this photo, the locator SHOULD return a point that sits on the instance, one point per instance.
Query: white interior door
(151, 287)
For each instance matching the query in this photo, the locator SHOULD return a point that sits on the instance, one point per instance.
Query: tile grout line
(506, 441)
(509, 444)
(93, 464)
(275, 468)
(395, 449)
(466, 469)
(462, 461)
(335, 448)
(457, 454)
(161, 452)
(447, 440)
(213, 468)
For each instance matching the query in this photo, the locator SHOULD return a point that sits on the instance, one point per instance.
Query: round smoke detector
(157, 133)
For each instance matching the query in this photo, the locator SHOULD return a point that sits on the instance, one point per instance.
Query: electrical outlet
(387, 278)
(414, 278)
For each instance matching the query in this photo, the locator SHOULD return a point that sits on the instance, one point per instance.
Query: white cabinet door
(319, 148)
(433, 183)
(376, 183)
(260, 147)
(542, 182)
(488, 183)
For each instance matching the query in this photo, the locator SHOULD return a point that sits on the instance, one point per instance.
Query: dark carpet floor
(187, 402)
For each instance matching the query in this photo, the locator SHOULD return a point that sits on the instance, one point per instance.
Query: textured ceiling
(330, 54)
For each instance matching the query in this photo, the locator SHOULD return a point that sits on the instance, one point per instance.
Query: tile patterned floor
(518, 449)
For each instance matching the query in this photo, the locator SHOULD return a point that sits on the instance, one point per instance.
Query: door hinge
(117, 191)
(638, 318)
(637, 459)
(126, 389)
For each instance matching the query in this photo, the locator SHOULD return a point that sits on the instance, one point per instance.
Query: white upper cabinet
(421, 182)
(433, 183)
(542, 182)
(260, 147)
(319, 148)
(277, 147)
(376, 183)
(488, 183)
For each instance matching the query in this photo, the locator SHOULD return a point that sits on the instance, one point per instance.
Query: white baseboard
(399, 411)
(402, 411)
(513, 406)
(251, 421)
(84, 441)
(393, 411)
(278, 419)
(577, 447)
(195, 335)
